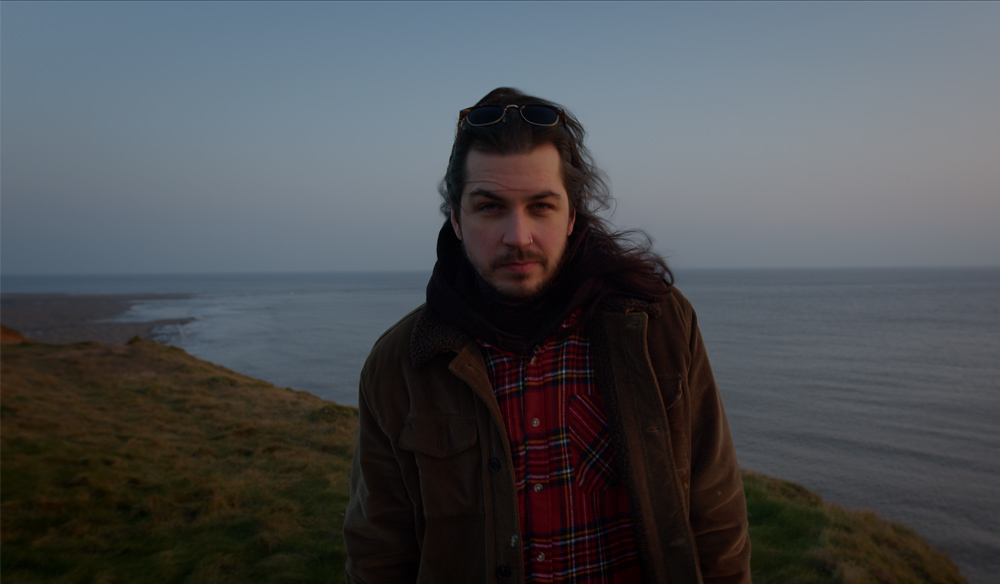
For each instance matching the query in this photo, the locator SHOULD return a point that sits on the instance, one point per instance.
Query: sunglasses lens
(485, 115)
(540, 115)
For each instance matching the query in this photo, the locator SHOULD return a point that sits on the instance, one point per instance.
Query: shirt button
(538, 487)
(540, 557)
(535, 422)
(534, 360)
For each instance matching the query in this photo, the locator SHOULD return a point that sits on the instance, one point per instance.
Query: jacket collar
(432, 335)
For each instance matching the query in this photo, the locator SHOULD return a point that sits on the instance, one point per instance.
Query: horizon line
(428, 271)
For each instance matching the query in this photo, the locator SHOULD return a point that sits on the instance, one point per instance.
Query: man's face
(515, 218)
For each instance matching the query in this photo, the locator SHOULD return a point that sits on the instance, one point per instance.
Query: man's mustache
(519, 256)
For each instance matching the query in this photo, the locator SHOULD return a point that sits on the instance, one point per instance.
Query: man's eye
(487, 207)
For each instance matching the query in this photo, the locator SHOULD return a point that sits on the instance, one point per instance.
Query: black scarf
(461, 297)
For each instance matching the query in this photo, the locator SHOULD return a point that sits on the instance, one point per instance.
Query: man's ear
(455, 225)
(572, 221)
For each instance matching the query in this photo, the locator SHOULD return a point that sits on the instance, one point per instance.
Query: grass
(797, 538)
(140, 463)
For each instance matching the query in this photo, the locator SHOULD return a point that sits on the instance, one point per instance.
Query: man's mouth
(519, 267)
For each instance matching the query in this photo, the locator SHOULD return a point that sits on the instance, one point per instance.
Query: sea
(876, 388)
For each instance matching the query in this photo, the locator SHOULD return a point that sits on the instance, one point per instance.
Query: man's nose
(518, 231)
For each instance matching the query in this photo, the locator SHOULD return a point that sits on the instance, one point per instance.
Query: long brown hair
(640, 270)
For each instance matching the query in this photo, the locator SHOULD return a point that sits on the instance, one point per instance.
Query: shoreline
(76, 318)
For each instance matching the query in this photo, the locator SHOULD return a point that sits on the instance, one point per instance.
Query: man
(549, 415)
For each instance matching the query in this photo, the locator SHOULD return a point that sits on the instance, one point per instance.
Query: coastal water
(878, 389)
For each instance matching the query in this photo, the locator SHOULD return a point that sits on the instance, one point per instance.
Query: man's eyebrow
(479, 192)
(544, 195)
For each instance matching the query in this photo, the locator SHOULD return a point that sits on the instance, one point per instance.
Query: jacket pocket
(438, 435)
(593, 451)
(447, 464)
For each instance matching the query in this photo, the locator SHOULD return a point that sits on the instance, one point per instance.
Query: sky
(191, 137)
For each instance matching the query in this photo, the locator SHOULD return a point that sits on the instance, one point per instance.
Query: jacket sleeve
(379, 529)
(718, 511)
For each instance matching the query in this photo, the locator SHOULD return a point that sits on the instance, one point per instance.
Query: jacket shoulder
(675, 300)
(674, 306)
(416, 338)
(401, 330)
(393, 344)
(672, 336)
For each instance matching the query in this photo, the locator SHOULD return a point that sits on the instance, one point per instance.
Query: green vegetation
(796, 537)
(140, 463)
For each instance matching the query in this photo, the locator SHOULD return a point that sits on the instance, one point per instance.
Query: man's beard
(517, 256)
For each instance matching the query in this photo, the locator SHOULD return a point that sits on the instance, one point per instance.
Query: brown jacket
(432, 489)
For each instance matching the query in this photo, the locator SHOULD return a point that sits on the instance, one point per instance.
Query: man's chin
(518, 291)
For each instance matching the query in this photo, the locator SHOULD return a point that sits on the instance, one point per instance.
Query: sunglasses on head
(536, 114)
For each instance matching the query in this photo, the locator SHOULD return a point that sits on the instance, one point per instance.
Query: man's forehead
(523, 174)
(547, 150)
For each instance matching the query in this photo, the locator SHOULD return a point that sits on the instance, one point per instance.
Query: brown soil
(11, 337)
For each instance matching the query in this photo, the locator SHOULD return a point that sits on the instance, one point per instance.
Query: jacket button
(494, 464)
(503, 572)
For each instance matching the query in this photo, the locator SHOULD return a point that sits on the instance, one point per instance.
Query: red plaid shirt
(575, 519)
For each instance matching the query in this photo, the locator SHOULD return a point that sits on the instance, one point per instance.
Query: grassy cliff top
(139, 463)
